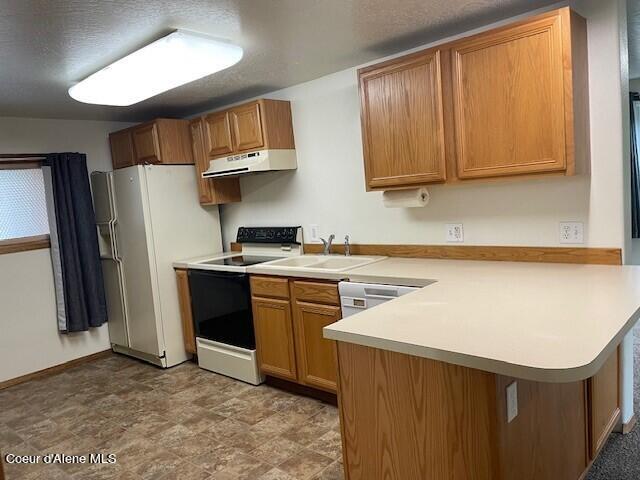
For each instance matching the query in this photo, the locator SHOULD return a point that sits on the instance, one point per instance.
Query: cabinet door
(146, 143)
(509, 102)
(316, 356)
(604, 406)
(186, 316)
(121, 149)
(218, 134)
(247, 127)
(274, 337)
(402, 121)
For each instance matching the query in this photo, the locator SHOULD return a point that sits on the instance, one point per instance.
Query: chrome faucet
(327, 244)
(347, 246)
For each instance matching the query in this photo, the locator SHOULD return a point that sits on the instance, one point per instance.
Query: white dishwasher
(355, 297)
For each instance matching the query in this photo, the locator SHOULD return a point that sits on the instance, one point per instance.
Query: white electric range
(221, 300)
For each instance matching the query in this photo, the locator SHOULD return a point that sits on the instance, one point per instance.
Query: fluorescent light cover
(180, 57)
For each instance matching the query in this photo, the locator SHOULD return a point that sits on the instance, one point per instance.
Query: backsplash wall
(328, 187)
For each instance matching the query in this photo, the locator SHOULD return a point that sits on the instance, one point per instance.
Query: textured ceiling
(47, 45)
(633, 32)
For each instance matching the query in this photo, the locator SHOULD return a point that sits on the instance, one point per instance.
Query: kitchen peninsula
(496, 370)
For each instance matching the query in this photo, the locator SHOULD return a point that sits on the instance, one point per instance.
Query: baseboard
(55, 369)
(627, 427)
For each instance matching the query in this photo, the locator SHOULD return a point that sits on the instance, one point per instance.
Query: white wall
(328, 186)
(29, 339)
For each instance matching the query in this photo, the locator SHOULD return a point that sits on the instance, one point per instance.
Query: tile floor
(181, 423)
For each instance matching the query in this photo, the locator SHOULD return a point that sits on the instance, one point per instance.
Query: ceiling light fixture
(180, 57)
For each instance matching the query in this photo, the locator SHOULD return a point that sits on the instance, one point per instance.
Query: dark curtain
(77, 243)
(635, 168)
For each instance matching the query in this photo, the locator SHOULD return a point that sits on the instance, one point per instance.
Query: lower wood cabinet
(316, 355)
(186, 316)
(274, 337)
(288, 317)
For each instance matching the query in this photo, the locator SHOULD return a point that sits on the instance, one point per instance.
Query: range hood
(252, 162)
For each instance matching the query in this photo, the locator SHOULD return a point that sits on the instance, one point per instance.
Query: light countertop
(542, 322)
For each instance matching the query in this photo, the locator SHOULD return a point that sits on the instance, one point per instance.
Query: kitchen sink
(328, 263)
(302, 261)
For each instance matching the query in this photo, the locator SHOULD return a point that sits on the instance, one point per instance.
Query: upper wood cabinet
(403, 122)
(146, 144)
(247, 127)
(255, 125)
(218, 134)
(210, 191)
(507, 102)
(510, 88)
(122, 149)
(163, 140)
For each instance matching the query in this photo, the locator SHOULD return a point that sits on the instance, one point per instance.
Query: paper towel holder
(406, 198)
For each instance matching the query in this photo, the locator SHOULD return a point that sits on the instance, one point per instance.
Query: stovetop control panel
(285, 235)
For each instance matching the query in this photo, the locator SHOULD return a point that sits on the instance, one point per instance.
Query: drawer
(316, 292)
(269, 287)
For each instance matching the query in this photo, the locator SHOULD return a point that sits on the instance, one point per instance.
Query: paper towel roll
(415, 197)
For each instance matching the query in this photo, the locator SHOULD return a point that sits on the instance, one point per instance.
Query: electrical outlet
(455, 233)
(571, 232)
(315, 233)
(512, 401)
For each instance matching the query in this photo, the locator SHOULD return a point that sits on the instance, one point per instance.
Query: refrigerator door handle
(114, 241)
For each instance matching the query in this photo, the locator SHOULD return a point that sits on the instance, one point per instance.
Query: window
(23, 210)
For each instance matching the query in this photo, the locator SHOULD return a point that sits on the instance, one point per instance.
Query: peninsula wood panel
(408, 418)
(186, 315)
(403, 121)
(218, 136)
(122, 149)
(315, 354)
(274, 337)
(548, 438)
(411, 418)
(210, 191)
(604, 403)
(523, 123)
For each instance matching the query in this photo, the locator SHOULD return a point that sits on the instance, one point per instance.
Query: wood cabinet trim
(186, 314)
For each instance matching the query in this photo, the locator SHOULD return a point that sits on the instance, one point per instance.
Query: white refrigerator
(149, 216)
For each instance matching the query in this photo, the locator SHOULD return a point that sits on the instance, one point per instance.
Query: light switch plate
(455, 232)
(512, 401)
(571, 232)
(315, 233)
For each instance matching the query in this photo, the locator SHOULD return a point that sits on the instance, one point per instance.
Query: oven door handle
(215, 273)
